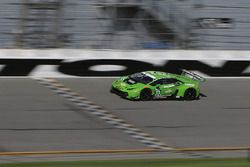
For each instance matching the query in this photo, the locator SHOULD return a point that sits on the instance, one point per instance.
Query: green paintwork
(169, 85)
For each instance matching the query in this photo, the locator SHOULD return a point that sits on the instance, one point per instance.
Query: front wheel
(146, 94)
(190, 94)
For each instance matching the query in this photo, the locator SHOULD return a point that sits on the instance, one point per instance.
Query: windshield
(141, 77)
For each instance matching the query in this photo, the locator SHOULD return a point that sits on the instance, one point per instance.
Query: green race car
(154, 85)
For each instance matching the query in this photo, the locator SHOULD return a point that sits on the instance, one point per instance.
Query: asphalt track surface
(33, 118)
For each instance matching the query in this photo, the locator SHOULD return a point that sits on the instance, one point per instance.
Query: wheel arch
(182, 90)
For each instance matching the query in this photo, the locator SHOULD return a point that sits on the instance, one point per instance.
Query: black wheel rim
(190, 94)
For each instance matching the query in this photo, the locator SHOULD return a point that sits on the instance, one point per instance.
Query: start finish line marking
(94, 109)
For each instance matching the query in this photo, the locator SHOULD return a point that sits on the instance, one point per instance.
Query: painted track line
(92, 108)
(124, 151)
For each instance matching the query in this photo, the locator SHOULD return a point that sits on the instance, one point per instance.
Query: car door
(168, 86)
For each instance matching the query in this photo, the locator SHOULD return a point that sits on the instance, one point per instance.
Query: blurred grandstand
(125, 24)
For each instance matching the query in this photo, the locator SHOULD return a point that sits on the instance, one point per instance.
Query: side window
(158, 82)
(169, 80)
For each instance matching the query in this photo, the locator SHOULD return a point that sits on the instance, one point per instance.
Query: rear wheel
(146, 94)
(190, 94)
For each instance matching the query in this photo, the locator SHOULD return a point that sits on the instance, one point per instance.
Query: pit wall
(111, 63)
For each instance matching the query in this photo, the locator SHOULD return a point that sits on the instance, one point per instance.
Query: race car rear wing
(193, 75)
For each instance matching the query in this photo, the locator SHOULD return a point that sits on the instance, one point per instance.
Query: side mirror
(177, 83)
(153, 84)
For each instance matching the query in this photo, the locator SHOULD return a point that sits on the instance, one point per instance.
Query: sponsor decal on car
(168, 86)
(187, 84)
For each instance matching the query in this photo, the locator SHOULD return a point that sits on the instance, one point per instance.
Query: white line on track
(103, 114)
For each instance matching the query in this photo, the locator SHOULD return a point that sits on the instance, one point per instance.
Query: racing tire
(111, 90)
(190, 94)
(146, 94)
